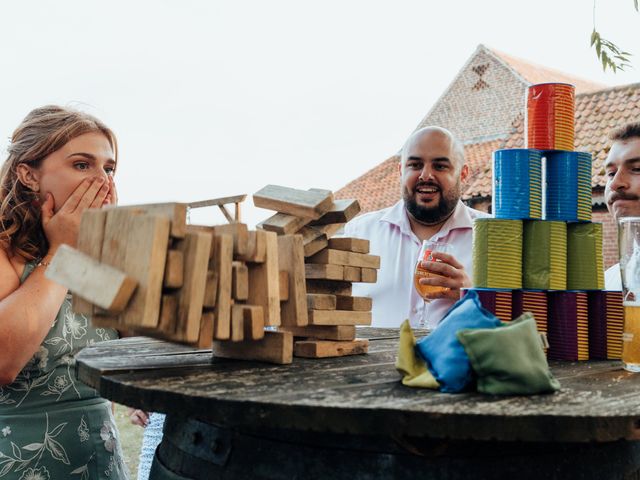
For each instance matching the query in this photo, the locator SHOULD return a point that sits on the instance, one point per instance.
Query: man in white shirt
(622, 192)
(432, 169)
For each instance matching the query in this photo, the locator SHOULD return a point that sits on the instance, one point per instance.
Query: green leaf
(594, 36)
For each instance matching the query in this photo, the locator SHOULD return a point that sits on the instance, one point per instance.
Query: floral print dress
(52, 426)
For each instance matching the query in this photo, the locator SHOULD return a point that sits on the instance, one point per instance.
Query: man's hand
(449, 273)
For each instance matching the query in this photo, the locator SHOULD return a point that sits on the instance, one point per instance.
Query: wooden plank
(339, 317)
(347, 302)
(195, 249)
(256, 247)
(173, 270)
(323, 271)
(283, 224)
(293, 310)
(327, 348)
(176, 213)
(237, 323)
(211, 288)
(253, 322)
(323, 332)
(98, 283)
(90, 236)
(342, 211)
(358, 245)
(300, 203)
(275, 347)
(100, 320)
(207, 324)
(136, 243)
(239, 281)
(331, 287)
(217, 201)
(330, 229)
(321, 301)
(240, 235)
(369, 275)
(341, 257)
(352, 274)
(315, 246)
(264, 281)
(222, 264)
(168, 317)
(284, 286)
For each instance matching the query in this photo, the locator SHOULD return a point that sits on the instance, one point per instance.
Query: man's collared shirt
(394, 295)
(612, 279)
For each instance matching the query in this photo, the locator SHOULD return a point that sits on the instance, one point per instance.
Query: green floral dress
(52, 426)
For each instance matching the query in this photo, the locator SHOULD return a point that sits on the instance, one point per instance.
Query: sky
(216, 98)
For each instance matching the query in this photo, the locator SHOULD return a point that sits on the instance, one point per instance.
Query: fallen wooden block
(176, 213)
(264, 280)
(326, 348)
(293, 310)
(284, 286)
(90, 236)
(321, 301)
(315, 245)
(283, 224)
(342, 211)
(323, 332)
(358, 245)
(275, 347)
(173, 270)
(222, 265)
(100, 284)
(339, 317)
(323, 271)
(239, 281)
(331, 287)
(256, 247)
(240, 235)
(347, 302)
(341, 257)
(369, 275)
(300, 203)
(330, 229)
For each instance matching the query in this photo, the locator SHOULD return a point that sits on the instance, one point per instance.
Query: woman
(60, 162)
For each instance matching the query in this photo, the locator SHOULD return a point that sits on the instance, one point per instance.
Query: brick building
(484, 106)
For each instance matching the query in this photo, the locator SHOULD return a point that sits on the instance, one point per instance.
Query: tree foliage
(608, 53)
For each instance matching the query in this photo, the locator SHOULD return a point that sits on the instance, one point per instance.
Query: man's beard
(431, 215)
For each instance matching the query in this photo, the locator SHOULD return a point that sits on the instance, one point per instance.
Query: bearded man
(432, 170)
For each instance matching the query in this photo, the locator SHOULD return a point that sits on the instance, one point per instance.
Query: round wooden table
(351, 418)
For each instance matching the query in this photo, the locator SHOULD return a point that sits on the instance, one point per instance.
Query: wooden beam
(293, 311)
(347, 302)
(283, 224)
(217, 201)
(323, 332)
(321, 301)
(339, 317)
(264, 280)
(222, 265)
(342, 211)
(275, 347)
(173, 270)
(358, 245)
(340, 257)
(300, 203)
(326, 348)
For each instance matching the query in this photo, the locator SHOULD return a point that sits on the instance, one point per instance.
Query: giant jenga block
(300, 203)
(176, 213)
(327, 348)
(291, 260)
(342, 211)
(275, 347)
(264, 281)
(222, 264)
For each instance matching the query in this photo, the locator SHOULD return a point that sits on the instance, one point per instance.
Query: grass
(131, 438)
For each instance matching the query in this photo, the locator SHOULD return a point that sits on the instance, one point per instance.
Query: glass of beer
(629, 248)
(426, 255)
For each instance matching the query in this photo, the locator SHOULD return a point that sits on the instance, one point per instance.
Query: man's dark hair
(625, 132)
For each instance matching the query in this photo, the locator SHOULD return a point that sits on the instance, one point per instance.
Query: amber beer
(631, 337)
(426, 256)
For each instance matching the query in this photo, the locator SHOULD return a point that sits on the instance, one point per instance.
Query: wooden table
(350, 417)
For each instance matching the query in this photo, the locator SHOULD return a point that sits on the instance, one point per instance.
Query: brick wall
(482, 101)
(609, 236)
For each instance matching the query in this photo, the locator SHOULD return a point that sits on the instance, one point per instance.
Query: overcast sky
(217, 98)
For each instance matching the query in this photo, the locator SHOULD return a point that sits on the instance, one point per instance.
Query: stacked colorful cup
(606, 318)
(534, 301)
(585, 267)
(568, 186)
(568, 333)
(517, 184)
(497, 253)
(497, 301)
(544, 263)
(550, 116)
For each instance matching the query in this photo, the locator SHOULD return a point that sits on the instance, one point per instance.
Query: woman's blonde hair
(43, 131)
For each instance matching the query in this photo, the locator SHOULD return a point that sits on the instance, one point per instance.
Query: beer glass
(425, 255)
(629, 248)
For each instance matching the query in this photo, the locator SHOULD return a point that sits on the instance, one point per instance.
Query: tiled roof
(534, 73)
(376, 189)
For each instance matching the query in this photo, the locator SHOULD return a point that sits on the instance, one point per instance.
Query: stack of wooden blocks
(331, 265)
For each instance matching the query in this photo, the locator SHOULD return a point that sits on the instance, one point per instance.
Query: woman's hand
(112, 197)
(62, 226)
(450, 274)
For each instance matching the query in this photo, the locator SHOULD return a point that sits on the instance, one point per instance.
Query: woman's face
(88, 155)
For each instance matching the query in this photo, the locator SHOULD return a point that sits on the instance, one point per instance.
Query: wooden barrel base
(196, 450)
